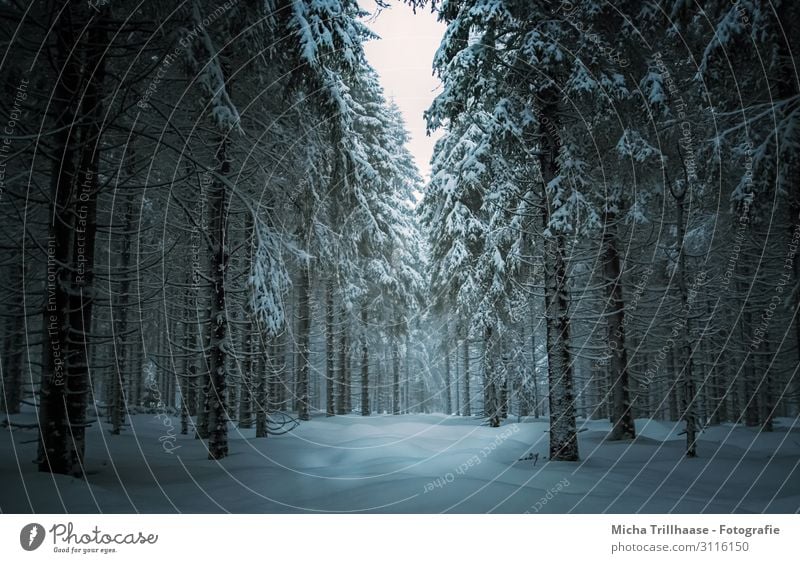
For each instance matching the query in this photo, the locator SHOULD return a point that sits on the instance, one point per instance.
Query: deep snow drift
(411, 463)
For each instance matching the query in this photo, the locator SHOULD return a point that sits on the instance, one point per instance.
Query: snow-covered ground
(412, 463)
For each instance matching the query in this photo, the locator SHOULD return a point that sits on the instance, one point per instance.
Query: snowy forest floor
(411, 464)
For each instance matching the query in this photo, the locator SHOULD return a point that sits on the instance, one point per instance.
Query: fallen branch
(530, 457)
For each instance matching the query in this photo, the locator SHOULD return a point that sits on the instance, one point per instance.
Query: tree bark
(492, 406)
(343, 391)
(689, 390)
(330, 352)
(623, 426)
(13, 356)
(68, 297)
(218, 376)
(457, 379)
(262, 391)
(303, 335)
(534, 371)
(467, 399)
(248, 377)
(118, 403)
(448, 407)
(407, 374)
(364, 364)
(395, 375)
(251, 379)
(563, 428)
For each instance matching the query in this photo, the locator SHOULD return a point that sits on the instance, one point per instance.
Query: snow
(411, 464)
(268, 279)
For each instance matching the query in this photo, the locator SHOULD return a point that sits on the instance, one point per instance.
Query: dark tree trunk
(407, 375)
(717, 391)
(534, 371)
(689, 389)
(788, 88)
(491, 399)
(330, 352)
(673, 391)
(276, 377)
(750, 375)
(68, 296)
(248, 377)
(138, 380)
(185, 383)
(448, 406)
(621, 416)
(364, 364)
(303, 335)
(456, 363)
(263, 382)
(767, 399)
(251, 378)
(504, 397)
(218, 369)
(201, 426)
(343, 391)
(395, 376)
(118, 402)
(348, 368)
(13, 356)
(563, 428)
(467, 398)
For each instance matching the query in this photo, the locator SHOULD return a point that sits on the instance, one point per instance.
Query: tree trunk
(330, 353)
(673, 389)
(218, 380)
(787, 88)
(186, 383)
(767, 399)
(750, 375)
(534, 371)
(262, 377)
(717, 391)
(504, 396)
(118, 404)
(276, 377)
(467, 399)
(13, 356)
(364, 364)
(68, 293)
(343, 391)
(395, 376)
(689, 391)
(491, 399)
(458, 378)
(201, 426)
(348, 369)
(563, 429)
(136, 387)
(248, 377)
(262, 391)
(407, 374)
(170, 374)
(303, 336)
(448, 407)
(251, 378)
(623, 427)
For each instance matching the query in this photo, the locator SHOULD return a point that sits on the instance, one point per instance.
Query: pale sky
(403, 58)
